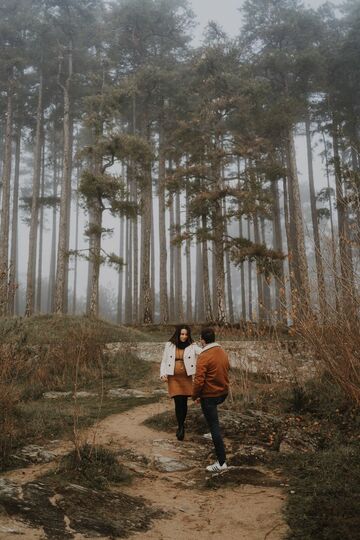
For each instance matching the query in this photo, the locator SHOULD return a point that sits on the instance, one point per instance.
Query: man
(210, 387)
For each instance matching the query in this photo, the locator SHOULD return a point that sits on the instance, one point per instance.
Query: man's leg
(209, 409)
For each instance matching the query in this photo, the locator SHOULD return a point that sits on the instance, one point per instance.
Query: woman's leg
(181, 412)
(180, 409)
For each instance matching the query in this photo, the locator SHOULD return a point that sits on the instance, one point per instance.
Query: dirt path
(241, 512)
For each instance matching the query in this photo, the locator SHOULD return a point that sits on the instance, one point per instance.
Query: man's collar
(210, 345)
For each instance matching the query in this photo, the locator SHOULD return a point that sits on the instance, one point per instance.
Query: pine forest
(146, 179)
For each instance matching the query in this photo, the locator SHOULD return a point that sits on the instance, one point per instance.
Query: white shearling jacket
(167, 366)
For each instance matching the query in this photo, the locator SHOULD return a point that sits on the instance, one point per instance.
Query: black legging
(180, 409)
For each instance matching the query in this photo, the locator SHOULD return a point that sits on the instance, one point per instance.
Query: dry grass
(336, 348)
(71, 364)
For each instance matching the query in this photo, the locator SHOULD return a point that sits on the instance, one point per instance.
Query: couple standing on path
(200, 373)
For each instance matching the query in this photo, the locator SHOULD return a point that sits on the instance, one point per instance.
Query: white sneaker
(216, 467)
(207, 435)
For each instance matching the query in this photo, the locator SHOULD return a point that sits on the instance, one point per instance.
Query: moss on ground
(324, 494)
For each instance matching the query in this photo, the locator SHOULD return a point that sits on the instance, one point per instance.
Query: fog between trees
(108, 110)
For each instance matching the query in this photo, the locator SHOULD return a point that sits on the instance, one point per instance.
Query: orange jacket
(211, 377)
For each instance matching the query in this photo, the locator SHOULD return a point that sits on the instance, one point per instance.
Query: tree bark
(51, 290)
(39, 286)
(346, 263)
(318, 256)
(76, 242)
(95, 227)
(14, 298)
(242, 278)
(164, 303)
(265, 281)
(259, 277)
(146, 203)
(62, 254)
(189, 311)
(280, 296)
(218, 258)
(199, 286)
(179, 314)
(135, 300)
(31, 268)
(5, 207)
(119, 317)
(228, 277)
(205, 270)
(251, 315)
(300, 265)
(332, 228)
(129, 260)
(172, 257)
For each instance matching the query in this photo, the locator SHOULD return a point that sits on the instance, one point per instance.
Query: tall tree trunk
(199, 307)
(265, 280)
(179, 314)
(95, 254)
(318, 256)
(293, 293)
(259, 277)
(164, 303)
(218, 246)
(242, 269)
(62, 255)
(280, 296)
(152, 263)
(332, 228)
(242, 278)
(209, 317)
(51, 290)
(228, 277)
(346, 264)
(129, 261)
(189, 314)
(76, 241)
(5, 207)
(296, 224)
(41, 233)
(135, 300)
(146, 220)
(119, 317)
(68, 209)
(251, 315)
(213, 284)
(14, 298)
(172, 263)
(31, 268)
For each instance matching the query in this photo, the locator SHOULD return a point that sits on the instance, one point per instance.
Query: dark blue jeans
(209, 408)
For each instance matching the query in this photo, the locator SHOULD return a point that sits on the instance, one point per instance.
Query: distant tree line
(117, 108)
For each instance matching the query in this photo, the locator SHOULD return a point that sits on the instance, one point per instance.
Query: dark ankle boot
(180, 433)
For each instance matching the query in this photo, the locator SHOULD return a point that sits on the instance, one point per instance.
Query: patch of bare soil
(241, 503)
(170, 497)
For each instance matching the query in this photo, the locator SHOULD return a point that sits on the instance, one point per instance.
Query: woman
(177, 368)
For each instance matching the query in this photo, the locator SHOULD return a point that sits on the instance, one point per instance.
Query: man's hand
(163, 378)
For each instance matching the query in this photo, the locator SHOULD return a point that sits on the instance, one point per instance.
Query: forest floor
(88, 446)
(170, 478)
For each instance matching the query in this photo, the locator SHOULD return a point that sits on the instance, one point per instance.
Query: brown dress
(179, 384)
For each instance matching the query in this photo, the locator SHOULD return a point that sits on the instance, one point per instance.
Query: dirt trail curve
(170, 475)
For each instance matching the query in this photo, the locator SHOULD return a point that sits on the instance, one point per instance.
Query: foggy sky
(227, 14)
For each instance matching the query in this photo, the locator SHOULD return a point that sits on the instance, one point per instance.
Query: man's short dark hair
(208, 335)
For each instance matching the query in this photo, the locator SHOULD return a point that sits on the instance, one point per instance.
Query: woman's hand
(163, 378)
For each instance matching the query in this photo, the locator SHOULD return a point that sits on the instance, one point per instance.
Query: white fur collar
(210, 346)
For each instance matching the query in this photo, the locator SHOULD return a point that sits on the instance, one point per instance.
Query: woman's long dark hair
(175, 338)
